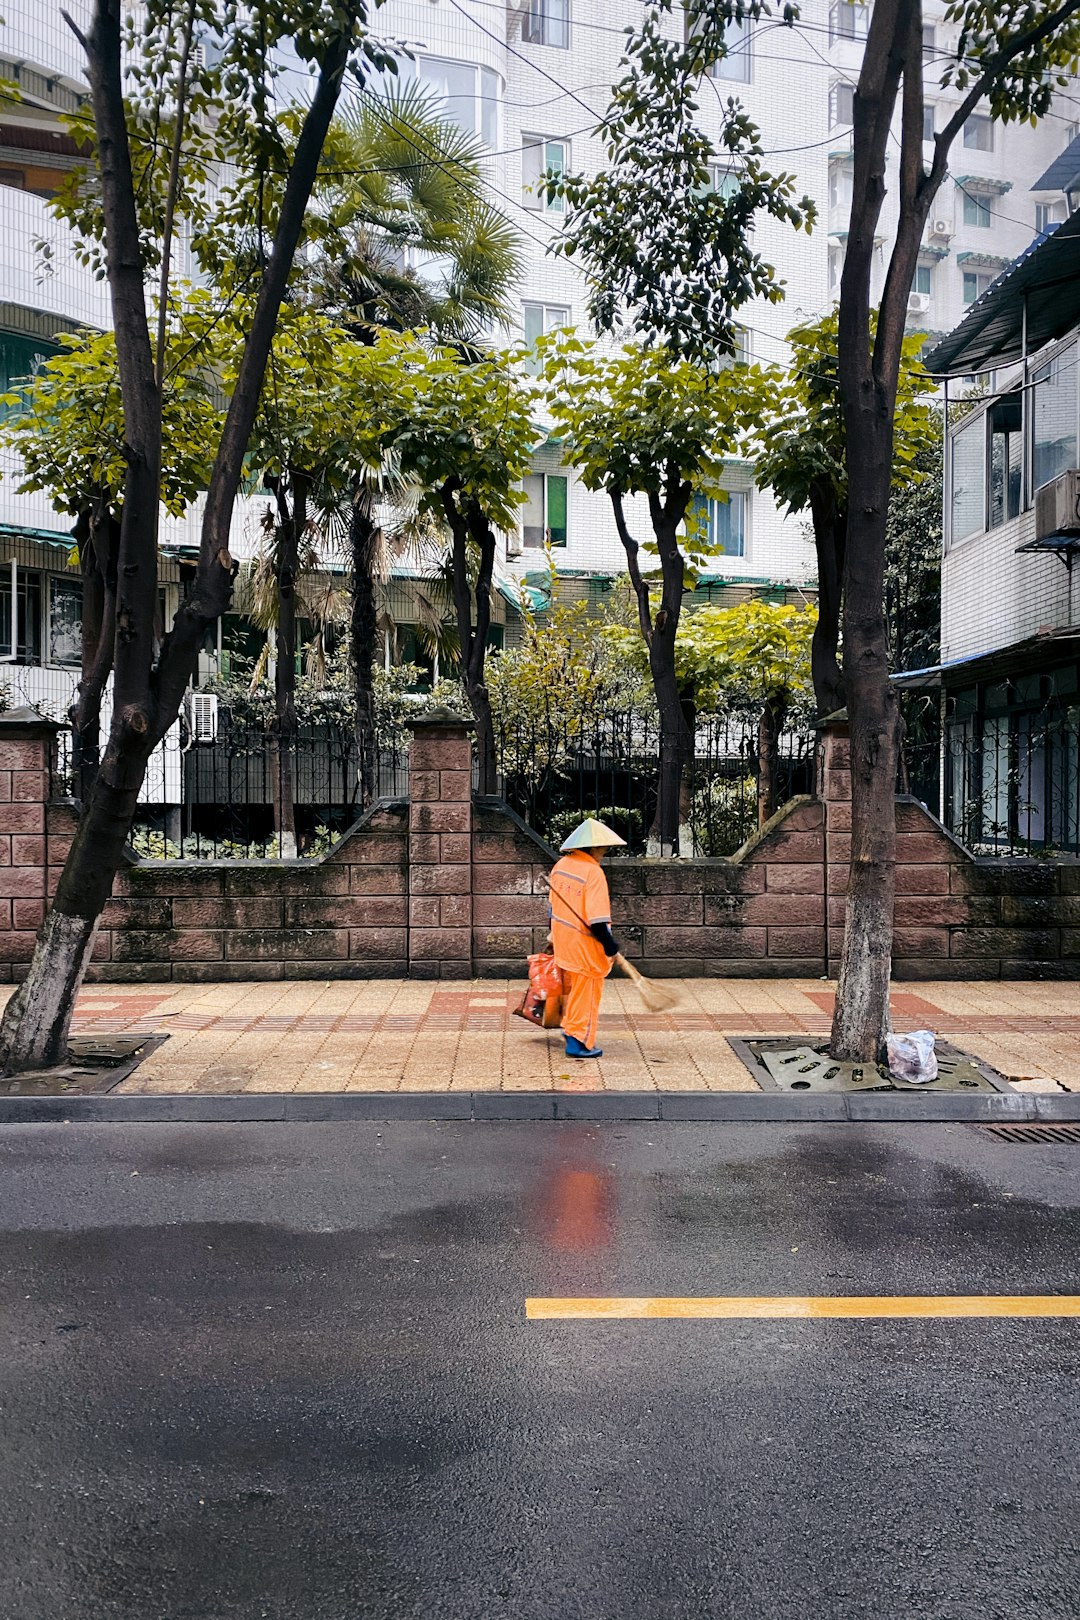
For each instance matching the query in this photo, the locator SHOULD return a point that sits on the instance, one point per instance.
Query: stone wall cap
(440, 719)
(28, 719)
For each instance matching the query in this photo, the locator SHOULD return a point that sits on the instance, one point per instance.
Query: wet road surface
(285, 1372)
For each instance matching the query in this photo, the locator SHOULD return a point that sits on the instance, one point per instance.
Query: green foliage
(666, 252)
(1022, 89)
(801, 439)
(546, 692)
(68, 423)
(629, 824)
(913, 566)
(640, 422)
(723, 814)
(238, 141)
(756, 652)
(399, 179)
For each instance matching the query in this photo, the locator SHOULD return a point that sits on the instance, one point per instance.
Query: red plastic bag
(542, 1002)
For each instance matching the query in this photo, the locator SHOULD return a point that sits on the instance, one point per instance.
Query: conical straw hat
(592, 835)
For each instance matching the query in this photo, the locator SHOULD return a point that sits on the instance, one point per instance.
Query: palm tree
(415, 244)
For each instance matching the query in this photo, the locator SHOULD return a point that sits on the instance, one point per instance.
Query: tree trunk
(472, 604)
(770, 725)
(362, 640)
(34, 1032)
(98, 535)
(830, 534)
(146, 699)
(292, 520)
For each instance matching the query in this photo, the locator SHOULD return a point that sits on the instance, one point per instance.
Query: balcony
(38, 35)
(61, 286)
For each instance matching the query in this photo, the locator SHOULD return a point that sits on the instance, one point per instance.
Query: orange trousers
(581, 1005)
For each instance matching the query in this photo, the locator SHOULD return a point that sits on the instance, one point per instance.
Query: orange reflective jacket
(579, 896)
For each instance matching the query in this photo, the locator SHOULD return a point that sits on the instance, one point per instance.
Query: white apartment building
(531, 78)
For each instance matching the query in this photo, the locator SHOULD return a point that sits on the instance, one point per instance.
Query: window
(1054, 418)
(1047, 216)
(842, 104)
(836, 269)
(975, 284)
(469, 95)
(848, 20)
(976, 209)
(929, 40)
(979, 133)
(27, 646)
(924, 279)
(1005, 419)
(723, 182)
(21, 358)
(928, 122)
(841, 185)
(542, 318)
(968, 471)
(545, 510)
(540, 157)
(721, 524)
(736, 63)
(547, 22)
(65, 622)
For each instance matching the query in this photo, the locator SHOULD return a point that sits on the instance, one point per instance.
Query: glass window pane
(454, 83)
(979, 134)
(532, 167)
(968, 476)
(556, 508)
(736, 64)
(532, 513)
(534, 322)
(928, 123)
(1054, 413)
(976, 209)
(555, 159)
(728, 525)
(489, 108)
(923, 278)
(558, 22)
(65, 622)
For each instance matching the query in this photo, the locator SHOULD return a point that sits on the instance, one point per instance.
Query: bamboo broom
(656, 998)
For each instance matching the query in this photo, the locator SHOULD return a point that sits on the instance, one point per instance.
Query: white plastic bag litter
(912, 1057)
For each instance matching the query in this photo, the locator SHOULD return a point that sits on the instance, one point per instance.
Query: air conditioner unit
(1057, 506)
(204, 716)
(918, 303)
(940, 227)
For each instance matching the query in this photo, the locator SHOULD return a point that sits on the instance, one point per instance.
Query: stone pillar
(27, 769)
(834, 791)
(440, 847)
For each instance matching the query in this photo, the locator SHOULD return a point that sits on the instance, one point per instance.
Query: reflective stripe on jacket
(579, 896)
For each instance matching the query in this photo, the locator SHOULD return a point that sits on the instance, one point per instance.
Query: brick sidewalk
(391, 1035)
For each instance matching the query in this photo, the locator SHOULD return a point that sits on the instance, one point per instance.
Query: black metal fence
(248, 792)
(1012, 781)
(553, 774)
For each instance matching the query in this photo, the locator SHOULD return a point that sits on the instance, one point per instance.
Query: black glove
(602, 932)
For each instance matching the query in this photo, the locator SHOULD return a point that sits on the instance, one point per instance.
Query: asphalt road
(285, 1371)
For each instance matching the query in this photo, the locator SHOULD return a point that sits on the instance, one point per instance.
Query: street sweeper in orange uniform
(581, 932)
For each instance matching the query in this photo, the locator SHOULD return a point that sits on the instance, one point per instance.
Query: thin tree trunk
(292, 520)
(770, 725)
(99, 538)
(363, 630)
(472, 605)
(830, 533)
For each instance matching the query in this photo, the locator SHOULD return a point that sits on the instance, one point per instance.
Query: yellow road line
(806, 1308)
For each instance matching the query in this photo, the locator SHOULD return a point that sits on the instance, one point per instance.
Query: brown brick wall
(445, 888)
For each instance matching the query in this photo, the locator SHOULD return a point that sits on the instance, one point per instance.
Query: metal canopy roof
(1047, 277)
(1063, 171)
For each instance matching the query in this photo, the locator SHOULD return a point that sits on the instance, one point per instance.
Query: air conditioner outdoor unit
(204, 716)
(940, 227)
(513, 544)
(918, 303)
(1057, 506)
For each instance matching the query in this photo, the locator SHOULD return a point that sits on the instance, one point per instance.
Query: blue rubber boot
(577, 1049)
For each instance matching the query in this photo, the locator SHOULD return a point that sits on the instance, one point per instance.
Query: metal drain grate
(1046, 1134)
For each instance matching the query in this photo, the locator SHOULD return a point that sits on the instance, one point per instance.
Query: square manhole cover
(788, 1063)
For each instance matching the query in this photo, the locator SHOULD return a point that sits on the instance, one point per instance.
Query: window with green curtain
(20, 359)
(557, 508)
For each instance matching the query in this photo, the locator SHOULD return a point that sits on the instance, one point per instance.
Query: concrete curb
(731, 1108)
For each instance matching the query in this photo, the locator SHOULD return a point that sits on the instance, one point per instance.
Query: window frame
(534, 198)
(836, 119)
(59, 584)
(544, 478)
(736, 499)
(977, 202)
(978, 124)
(538, 25)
